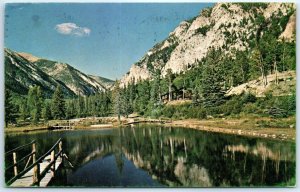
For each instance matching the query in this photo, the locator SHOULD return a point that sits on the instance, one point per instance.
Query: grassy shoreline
(259, 127)
(288, 134)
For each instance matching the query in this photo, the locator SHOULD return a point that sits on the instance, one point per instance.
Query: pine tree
(107, 100)
(58, 104)
(23, 109)
(242, 61)
(170, 77)
(257, 60)
(212, 79)
(9, 108)
(132, 93)
(34, 103)
(143, 98)
(46, 112)
(125, 98)
(71, 109)
(39, 103)
(155, 95)
(117, 100)
(80, 106)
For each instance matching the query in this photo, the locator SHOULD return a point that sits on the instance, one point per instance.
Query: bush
(232, 106)
(250, 108)
(224, 6)
(279, 106)
(201, 113)
(213, 111)
(248, 6)
(277, 112)
(168, 111)
(156, 112)
(248, 98)
(203, 30)
(206, 12)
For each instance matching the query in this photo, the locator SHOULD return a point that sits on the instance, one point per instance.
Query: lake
(154, 156)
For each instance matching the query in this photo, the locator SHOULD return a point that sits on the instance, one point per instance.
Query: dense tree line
(35, 108)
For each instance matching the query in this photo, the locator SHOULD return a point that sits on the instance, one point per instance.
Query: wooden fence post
(15, 163)
(61, 152)
(36, 168)
(60, 146)
(52, 161)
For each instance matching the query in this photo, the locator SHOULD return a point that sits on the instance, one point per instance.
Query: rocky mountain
(107, 83)
(75, 80)
(23, 70)
(227, 26)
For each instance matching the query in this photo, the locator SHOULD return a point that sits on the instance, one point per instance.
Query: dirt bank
(245, 127)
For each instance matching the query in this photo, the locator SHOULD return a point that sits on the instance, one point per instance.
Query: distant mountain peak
(29, 57)
(24, 70)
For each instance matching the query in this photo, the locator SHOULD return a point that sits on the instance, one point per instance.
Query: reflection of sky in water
(155, 156)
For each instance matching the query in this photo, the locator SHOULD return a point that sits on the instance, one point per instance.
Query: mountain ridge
(48, 74)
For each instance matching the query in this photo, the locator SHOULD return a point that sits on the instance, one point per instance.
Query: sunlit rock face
(226, 26)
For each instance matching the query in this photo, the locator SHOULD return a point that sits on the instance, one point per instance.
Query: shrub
(248, 98)
(250, 108)
(277, 112)
(168, 111)
(203, 30)
(156, 112)
(213, 111)
(201, 113)
(206, 12)
(224, 6)
(248, 6)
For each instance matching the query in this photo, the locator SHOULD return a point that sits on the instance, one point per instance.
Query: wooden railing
(37, 176)
(16, 163)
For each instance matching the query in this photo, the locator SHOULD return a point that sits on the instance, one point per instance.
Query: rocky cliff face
(23, 70)
(228, 26)
(290, 30)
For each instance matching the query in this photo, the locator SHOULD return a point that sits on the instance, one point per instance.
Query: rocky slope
(21, 74)
(107, 83)
(78, 82)
(228, 26)
(23, 70)
(286, 84)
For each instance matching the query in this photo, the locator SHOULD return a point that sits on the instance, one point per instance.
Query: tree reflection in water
(152, 155)
(181, 157)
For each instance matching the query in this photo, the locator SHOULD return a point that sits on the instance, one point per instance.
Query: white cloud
(72, 29)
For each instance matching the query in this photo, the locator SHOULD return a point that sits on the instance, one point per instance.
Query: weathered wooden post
(36, 168)
(15, 163)
(53, 163)
(61, 152)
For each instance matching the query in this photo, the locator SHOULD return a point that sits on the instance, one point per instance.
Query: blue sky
(102, 39)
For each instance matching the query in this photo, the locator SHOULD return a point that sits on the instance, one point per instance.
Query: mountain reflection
(180, 157)
(170, 157)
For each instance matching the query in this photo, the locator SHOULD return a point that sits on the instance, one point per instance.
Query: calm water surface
(151, 156)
